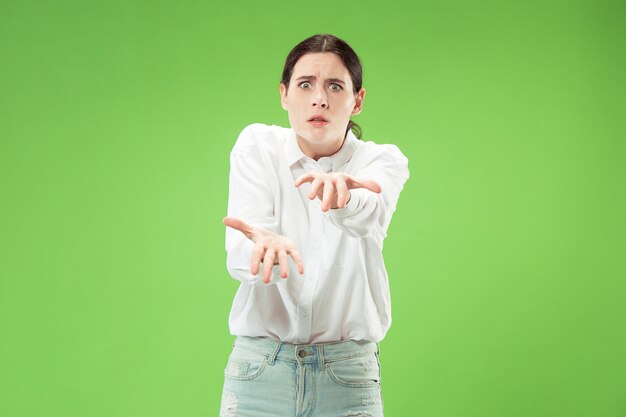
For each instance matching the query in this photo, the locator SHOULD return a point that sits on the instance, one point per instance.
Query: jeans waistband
(321, 353)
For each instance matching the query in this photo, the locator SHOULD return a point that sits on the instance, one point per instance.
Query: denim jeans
(266, 377)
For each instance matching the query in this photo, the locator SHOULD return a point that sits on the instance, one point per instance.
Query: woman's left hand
(333, 188)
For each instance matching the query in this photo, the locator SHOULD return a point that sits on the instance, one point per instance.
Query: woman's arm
(372, 193)
(252, 235)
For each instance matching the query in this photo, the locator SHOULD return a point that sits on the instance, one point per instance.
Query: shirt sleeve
(251, 199)
(368, 214)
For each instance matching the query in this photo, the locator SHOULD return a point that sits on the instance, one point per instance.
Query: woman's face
(320, 85)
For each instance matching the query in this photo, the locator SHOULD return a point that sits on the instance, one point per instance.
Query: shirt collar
(339, 158)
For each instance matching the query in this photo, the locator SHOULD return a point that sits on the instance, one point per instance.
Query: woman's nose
(320, 99)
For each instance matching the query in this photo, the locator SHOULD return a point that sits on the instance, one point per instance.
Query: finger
(257, 255)
(315, 185)
(239, 224)
(268, 263)
(342, 193)
(295, 255)
(329, 191)
(364, 183)
(308, 177)
(284, 263)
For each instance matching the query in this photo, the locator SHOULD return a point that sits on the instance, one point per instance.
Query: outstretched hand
(269, 248)
(333, 188)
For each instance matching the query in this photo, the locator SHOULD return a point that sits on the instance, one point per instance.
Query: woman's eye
(303, 83)
(335, 85)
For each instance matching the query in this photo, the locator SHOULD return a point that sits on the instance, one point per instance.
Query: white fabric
(343, 293)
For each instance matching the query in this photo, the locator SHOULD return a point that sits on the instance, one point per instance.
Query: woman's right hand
(269, 248)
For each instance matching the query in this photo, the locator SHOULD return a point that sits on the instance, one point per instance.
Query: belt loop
(274, 352)
(320, 356)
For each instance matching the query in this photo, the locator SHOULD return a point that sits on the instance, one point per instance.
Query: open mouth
(318, 120)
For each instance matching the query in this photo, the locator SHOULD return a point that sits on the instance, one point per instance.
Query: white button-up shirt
(343, 293)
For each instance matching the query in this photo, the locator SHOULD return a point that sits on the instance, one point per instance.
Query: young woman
(308, 209)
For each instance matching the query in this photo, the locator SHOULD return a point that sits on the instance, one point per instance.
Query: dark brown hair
(328, 43)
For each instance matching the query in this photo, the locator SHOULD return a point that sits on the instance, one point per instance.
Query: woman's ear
(358, 102)
(283, 96)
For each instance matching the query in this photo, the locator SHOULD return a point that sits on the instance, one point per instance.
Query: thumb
(364, 183)
(240, 225)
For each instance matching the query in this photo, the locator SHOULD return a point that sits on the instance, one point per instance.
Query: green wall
(506, 256)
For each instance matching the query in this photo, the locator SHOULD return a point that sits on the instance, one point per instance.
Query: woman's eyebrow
(313, 77)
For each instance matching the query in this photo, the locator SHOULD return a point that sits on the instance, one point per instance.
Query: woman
(307, 328)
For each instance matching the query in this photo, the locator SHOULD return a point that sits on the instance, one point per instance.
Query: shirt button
(304, 314)
(325, 163)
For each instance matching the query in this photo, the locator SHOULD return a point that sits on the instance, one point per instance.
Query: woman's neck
(320, 151)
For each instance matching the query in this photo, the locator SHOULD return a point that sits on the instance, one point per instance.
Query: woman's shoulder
(374, 149)
(261, 137)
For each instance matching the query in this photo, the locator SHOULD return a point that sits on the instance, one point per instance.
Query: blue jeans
(266, 377)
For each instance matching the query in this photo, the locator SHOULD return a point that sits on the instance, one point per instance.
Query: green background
(506, 256)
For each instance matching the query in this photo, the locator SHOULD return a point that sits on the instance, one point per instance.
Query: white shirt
(343, 293)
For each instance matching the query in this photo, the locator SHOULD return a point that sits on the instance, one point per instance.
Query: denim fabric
(266, 377)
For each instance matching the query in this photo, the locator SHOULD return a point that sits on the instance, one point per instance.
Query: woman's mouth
(318, 121)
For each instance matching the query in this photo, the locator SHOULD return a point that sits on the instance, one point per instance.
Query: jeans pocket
(244, 364)
(359, 372)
